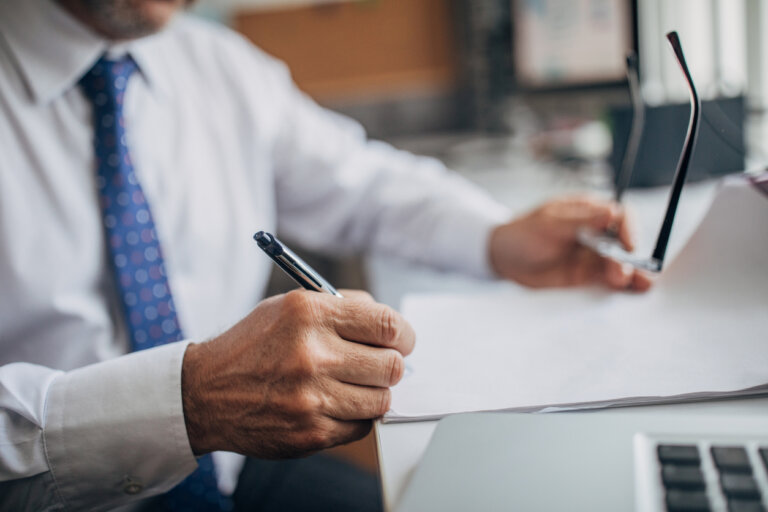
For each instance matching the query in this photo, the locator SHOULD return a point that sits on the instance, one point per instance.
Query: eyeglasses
(635, 132)
(606, 244)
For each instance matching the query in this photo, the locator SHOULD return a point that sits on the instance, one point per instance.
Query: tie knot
(107, 80)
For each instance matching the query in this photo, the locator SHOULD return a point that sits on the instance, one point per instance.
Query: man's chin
(139, 18)
(125, 19)
(157, 13)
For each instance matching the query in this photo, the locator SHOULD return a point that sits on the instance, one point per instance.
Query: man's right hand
(302, 372)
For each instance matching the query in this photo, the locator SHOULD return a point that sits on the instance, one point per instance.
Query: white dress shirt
(224, 145)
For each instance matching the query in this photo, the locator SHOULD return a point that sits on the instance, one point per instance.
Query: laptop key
(682, 477)
(731, 458)
(687, 501)
(679, 454)
(739, 486)
(741, 505)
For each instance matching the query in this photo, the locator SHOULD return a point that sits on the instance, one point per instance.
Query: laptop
(619, 460)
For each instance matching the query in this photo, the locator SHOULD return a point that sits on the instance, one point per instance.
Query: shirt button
(131, 486)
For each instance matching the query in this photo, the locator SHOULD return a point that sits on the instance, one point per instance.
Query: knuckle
(395, 367)
(295, 298)
(319, 436)
(298, 305)
(304, 359)
(389, 326)
(307, 403)
(358, 404)
(312, 356)
(385, 400)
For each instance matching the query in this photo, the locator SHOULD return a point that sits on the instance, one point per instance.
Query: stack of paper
(701, 332)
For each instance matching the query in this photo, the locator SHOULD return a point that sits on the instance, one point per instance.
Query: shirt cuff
(115, 430)
(461, 241)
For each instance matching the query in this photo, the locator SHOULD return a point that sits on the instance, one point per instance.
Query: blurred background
(543, 75)
(527, 98)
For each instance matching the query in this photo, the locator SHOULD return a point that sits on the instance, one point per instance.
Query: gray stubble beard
(120, 19)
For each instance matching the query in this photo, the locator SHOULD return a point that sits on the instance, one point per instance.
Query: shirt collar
(53, 50)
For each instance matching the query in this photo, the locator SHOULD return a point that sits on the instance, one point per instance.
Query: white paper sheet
(701, 332)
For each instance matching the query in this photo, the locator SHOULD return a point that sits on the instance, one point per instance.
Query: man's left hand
(541, 249)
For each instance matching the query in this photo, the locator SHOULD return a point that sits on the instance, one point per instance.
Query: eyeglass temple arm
(635, 132)
(685, 157)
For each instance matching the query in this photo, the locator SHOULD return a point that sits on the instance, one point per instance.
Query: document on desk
(701, 332)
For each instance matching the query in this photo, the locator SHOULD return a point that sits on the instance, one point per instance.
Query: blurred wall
(360, 49)
(392, 64)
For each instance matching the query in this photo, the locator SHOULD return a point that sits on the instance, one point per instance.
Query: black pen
(295, 267)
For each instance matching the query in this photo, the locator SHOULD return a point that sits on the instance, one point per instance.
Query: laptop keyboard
(704, 477)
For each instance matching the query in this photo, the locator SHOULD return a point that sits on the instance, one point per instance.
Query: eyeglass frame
(607, 245)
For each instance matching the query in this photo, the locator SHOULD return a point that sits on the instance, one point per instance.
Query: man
(139, 151)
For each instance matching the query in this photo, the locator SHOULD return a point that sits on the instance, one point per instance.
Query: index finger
(374, 324)
(570, 215)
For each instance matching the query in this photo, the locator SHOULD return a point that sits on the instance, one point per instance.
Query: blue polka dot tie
(136, 255)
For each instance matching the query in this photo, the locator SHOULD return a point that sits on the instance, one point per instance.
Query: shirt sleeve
(99, 436)
(338, 191)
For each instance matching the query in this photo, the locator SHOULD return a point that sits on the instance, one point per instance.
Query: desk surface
(521, 187)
